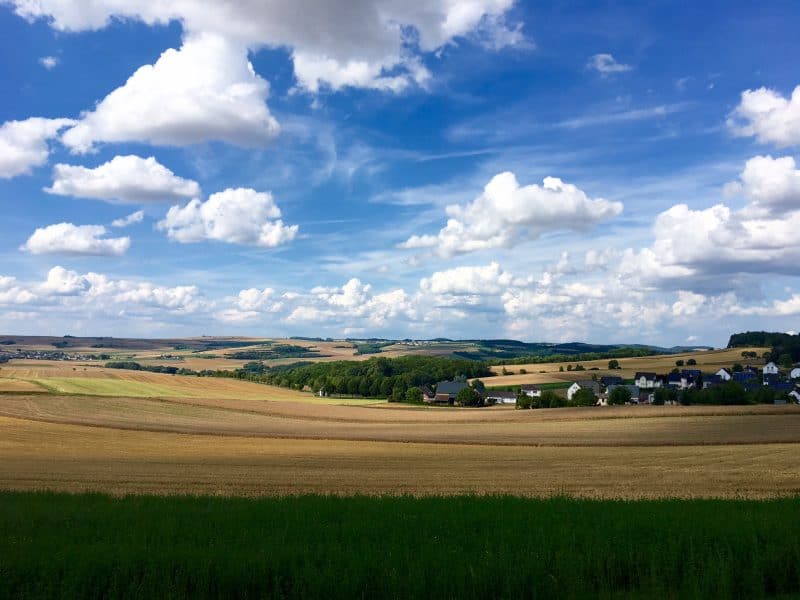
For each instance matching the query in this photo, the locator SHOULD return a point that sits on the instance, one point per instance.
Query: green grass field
(95, 546)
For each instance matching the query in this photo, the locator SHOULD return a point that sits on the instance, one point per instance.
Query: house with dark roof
(607, 380)
(450, 388)
(534, 391)
(744, 377)
(645, 380)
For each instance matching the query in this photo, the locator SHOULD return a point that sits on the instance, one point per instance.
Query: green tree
(398, 394)
(552, 400)
(679, 363)
(738, 368)
(523, 371)
(620, 395)
(468, 397)
(479, 386)
(785, 360)
(584, 397)
(561, 368)
(691, 361)
(524, 401)
(613, 364)
(414, 395)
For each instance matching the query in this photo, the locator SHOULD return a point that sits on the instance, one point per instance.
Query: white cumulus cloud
(235, 216)
(360, 43)
(769, 117)
(507, 211)
(23, 144)
(207, 90)
(771, 184)
(66, 238)
(123, 180)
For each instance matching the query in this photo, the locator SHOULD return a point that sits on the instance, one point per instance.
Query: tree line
(379, 377)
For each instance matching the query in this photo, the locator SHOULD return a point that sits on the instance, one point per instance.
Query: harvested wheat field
(210, 436)
(72, 458)
(62, 378)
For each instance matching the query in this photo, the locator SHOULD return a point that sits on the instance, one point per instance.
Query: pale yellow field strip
(296, 420)
(709, 361)
(37, 456)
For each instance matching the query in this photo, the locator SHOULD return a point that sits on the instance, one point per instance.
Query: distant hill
(514, 350)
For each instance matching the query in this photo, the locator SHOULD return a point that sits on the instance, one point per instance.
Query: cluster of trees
(378, 377)
(548, 399)
(370, 347)
(730, 393)
(785, 347)
(135, 366)
(275, 352)
(689, 363)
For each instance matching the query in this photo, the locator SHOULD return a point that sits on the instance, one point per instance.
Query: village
(769, 384)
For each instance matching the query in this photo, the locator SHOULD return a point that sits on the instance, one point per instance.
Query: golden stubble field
(708, 361)
(73, 427)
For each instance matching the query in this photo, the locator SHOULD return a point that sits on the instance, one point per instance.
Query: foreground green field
(94, 546)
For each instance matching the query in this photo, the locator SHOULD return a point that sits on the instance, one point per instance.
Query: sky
(609, 172)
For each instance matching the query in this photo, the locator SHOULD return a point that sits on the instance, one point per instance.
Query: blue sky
(598, 171)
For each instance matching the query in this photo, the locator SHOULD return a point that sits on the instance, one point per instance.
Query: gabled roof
(645, 374)
(529, 387)
(500, 394)
(588, 384)
(450, 387)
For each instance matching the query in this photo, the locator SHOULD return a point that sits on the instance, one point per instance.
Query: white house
(724, 374)
(580, 385)
(795, 373)
(501, 397)
(770, 369)
(795, 394)
(534, 391)
(647, 381)
(573, 389)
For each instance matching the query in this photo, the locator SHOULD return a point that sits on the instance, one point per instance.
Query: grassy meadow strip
(94, 546)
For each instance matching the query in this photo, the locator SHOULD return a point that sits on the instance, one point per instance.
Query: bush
(524, 401)
(584, 397)
(414, 395)
(691, 362)
(613, 364)
(620, 395)
(679, 363)
(468, 397)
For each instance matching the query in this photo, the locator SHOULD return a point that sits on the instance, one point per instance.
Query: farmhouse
(446, 391)
(647, 381)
